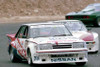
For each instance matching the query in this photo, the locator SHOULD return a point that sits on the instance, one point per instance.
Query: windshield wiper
(53, 35)
(60, 35)
(40, 36)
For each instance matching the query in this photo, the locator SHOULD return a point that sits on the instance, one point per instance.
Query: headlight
(78, 45)
(45, 46)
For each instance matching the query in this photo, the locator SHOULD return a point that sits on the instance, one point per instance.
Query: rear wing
(11, 36)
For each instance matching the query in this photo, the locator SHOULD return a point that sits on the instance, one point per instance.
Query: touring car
(44, 43)
(78, 29)
(89, 15)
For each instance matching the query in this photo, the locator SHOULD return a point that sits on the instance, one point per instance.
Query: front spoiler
(48, 56)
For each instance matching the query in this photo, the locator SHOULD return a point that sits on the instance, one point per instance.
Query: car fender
(11, 45)
(32, 48)
(96, 39)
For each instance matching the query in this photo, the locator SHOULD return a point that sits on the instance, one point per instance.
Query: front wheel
(96, 51)
(29, 58)
(80, 63)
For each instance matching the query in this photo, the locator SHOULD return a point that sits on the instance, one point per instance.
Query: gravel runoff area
(19, 19)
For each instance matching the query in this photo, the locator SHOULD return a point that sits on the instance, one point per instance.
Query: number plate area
(62, 59)
(65, 57)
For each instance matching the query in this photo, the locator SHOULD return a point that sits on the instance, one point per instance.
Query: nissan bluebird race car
(44, 43)
(78, 29)
(89, 15)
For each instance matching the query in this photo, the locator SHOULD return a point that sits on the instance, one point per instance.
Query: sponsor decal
(20, 49)
(62, 59)
(36, 58)
(61, 41)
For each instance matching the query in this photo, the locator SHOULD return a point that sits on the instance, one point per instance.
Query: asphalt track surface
(94, 58)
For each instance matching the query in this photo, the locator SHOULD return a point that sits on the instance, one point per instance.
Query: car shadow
(24, 63)
(93, 26)
(51, 65)
(58, 65)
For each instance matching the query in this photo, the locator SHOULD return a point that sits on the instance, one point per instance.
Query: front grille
(62, 46)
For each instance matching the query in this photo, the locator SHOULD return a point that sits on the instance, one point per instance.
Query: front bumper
(60, 57)
(92, 47)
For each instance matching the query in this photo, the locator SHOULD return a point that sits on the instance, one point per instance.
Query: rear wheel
(97, 24)
(13, 58)
(80, 63)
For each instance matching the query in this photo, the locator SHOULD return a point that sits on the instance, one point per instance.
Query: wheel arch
(31, 47)
(28, 50)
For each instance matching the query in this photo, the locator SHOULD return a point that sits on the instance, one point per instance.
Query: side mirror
(23, 36)
(89, 29)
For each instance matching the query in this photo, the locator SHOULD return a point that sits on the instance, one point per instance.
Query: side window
(23, 32)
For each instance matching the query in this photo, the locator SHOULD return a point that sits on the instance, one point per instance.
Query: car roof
(64, 21)
(40, 23)
(49, 22)
(67, 20)
(95, 4)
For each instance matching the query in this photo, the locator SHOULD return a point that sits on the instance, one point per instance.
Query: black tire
(97, 22)
(13, 58)
(80, 63)
(29, 59)
(96, 51)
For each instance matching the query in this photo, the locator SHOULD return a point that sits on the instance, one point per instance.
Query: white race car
(43, 43)
(79, 30)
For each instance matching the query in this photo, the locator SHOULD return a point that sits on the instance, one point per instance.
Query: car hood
(80, 13)
(68, 39)
(86, 36)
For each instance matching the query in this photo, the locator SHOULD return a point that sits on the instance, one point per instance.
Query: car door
(21, 37)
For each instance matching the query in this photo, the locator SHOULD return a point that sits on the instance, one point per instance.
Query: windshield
(75, 26)
(92, 8)
(89, 8)
(97, 8)
(49, 30)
